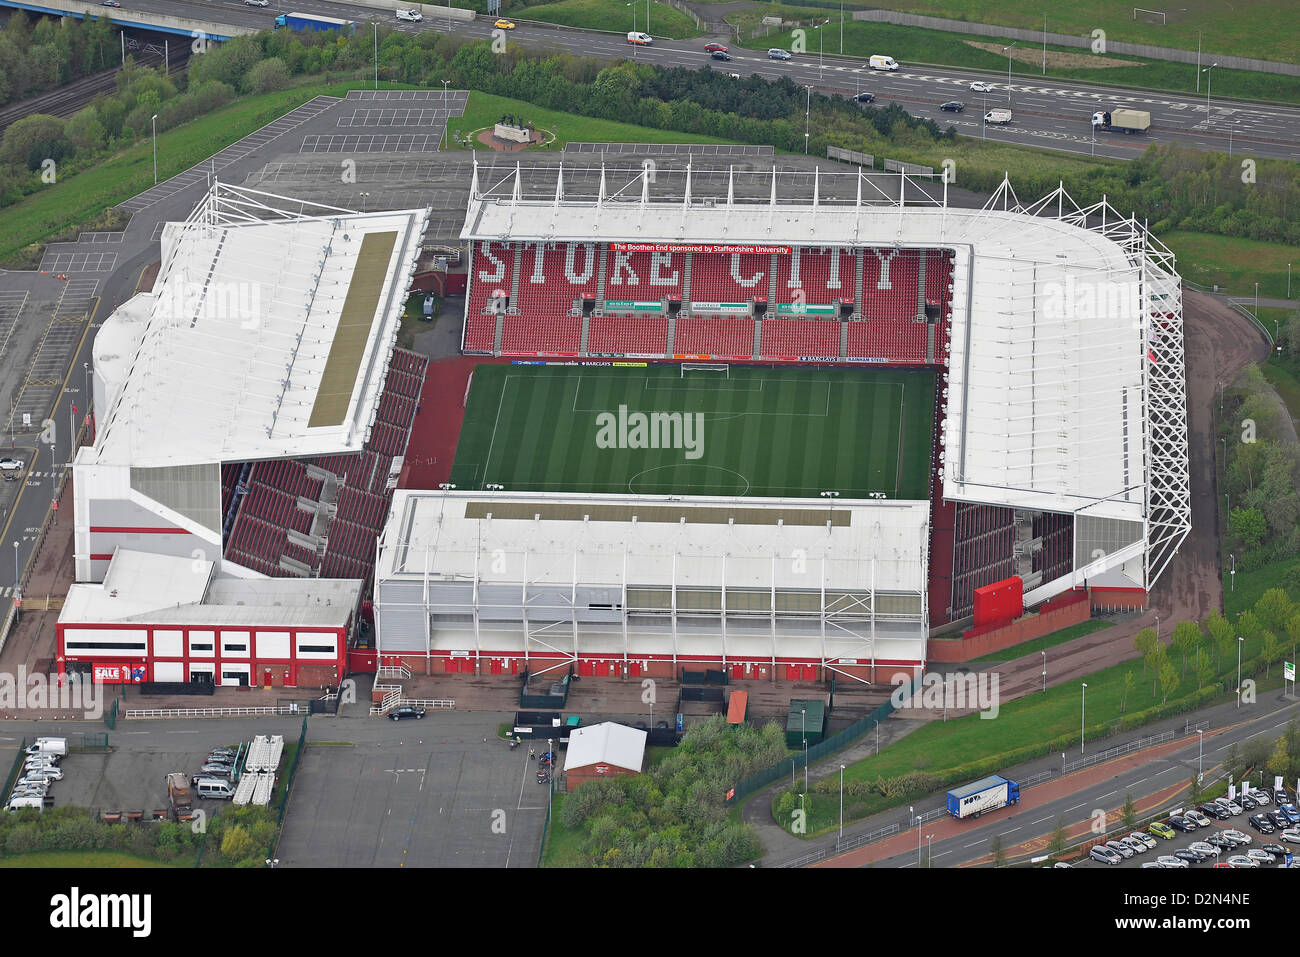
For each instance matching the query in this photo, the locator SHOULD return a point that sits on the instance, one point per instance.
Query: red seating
(819, 284)
(643, 336)
(724, 338)
(490, 270)
(535, 336)
(480, 332)
(554, 276)
(644, 277)
(714, 277)
(892, 341)
(890, 283)
(796, 338)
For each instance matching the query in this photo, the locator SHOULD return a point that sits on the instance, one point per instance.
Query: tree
(1129, 812)
(1128, 687)
(1144, 641)
(22, 136)
(1057, 842)
(1275, 609)
(236, 844)
(1193, 790)
(1279, 762)
(268, 76)
(1248, 625)
(1221, 630)
(1186, 637)
(1247, 527)
(1168, 680)
(1157, 658)
(1272, 651)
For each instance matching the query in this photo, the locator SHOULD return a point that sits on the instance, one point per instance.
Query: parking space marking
(361, 143)
(394, 118)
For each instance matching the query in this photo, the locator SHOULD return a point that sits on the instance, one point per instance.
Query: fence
(288, 786)
(1113, 47)
(1239, 305)
(911, 169)
(292, 708)
(816, 752)
(546, 824)
(851, 156)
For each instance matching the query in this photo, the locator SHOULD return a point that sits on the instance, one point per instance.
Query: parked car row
(1215, 846)
(40, 771)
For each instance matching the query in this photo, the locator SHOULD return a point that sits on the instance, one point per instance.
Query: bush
(268, 76)
(237, 845)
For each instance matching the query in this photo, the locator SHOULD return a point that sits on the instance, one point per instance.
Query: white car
(1264, 857)
(36, 774)
(1232, 807)
(1291, 835)
(1145, 838)
(1169, 860)
(1239, 837)
(1241, 860)
(1197, 818)
(1133, 842)
(1204, 848)
(257, 3)
(979, 86)
(11, 465)
(415, 16)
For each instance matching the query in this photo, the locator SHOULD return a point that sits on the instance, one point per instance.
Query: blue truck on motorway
(986, 794)
(310, 22)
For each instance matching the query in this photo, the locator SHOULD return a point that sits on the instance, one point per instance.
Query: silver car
(1120, 848)
(1168, 860)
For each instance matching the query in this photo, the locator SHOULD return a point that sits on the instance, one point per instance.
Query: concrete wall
(986, 643)
(432, 13)
(1113, 47)
(185, 26)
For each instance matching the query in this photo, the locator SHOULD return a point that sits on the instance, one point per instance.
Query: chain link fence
(288, 788)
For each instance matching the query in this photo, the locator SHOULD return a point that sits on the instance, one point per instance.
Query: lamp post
(841, 27)
(376, 26)
(807, 119)
(1198, 61)
(1044, 654)
(1232, 577)
(364, 197)
(929, 858)
(446, 110)
(1007, 51)
(154, 121)
(633, 6)
(1044, 43)
(918, 840)
(1240, 641)
(841, 838)
(1083, 709)
(1200, 746)
(1207, 73)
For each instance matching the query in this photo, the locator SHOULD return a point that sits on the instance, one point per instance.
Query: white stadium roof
(267, 334)
(1065, 388)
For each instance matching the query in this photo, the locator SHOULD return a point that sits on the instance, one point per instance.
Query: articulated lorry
(300, 22)
(986, 794)
(1122, 121)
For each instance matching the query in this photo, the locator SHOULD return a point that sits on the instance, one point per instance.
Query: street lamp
(1206, 71)
(841, 840)
(154, 121)
(929, 858)
(1232, 578)
(447, 111)
(364, 197)
(633, 6)
(807, 114)
(1240, 641)
(1007, 51)
(1083, 709)
(1198, 61)
(1200, 745)
(1044, 654)
(918, 840)
(376, 26)
(803, 717)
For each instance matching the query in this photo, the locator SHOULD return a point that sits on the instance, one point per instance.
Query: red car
(714, 48)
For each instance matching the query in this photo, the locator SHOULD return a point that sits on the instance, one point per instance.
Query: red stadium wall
(1067, 610)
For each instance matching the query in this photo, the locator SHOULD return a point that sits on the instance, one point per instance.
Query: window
(200, 646)
(233, 647)
(319, 648)
(115, 645)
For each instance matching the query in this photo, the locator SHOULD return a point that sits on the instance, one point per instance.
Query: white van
(214, 788)
(879, 62)
(15, 803)
(640, 39)
(1002, 117)
(55, 746)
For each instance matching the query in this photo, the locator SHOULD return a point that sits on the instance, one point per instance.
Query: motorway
(1053, 114)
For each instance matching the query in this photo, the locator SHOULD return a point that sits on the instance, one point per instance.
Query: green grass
(80, 859)
(916, 45)
(1248, 28)
(484, 109)
(563, 847)
(615, 16)
(1235, 264)
(1285, 382)
(1046, 641)
(767, 432)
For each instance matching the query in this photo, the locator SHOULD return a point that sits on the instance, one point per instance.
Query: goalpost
(1150, 15)
(706, 367)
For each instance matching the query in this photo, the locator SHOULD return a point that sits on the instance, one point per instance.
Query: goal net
(706, 367)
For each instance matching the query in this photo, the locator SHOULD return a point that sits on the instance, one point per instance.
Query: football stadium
(784, 433)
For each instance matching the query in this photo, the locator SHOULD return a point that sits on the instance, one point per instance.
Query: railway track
(71, 97)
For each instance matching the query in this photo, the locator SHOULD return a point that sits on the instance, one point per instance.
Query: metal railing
(1239, 306)
(446, 704)
(212, 712)
(1121, 750)
(840, 847)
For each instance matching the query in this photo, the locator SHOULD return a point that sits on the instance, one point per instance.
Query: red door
(791, 672)
(585, 668)
(496, 666)
(809, 672)
(737, 671)
(634, 669)
(514, 666)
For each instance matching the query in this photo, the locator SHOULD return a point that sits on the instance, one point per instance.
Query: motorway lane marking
(1075, 808)
(976, 844)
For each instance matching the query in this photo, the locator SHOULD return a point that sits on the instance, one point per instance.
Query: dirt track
(1218, 344)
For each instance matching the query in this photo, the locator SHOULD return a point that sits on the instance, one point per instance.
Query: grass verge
(614, 15)
(1234, 264)
(80, 859)
(1046, 641)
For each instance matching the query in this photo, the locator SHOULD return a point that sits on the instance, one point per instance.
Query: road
(1053, 114)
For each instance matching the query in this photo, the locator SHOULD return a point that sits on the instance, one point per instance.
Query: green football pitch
(656, 431)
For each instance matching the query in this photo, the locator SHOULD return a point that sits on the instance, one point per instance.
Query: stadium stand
(613, 334)
(729, 338)
(815, 277)
(738, 277)
(890, 280)
(891, 340)
(983, 552)
(644, 276)
(800, 338)
(554, 335)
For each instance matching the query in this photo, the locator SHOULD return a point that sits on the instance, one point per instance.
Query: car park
(714, 47)
(1144, 838)
(1260, 855)
(1138, 846)
(1202, 847)
(721, 55)
(1168, 860)
(776, 53)
(1162, 830)
(1104, 854)
(1261, 823)
(865, 97)
(953, 106)
(406, 711)
(1232, 807)
(979, 86)
(1241, 860)
(1197, 818)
